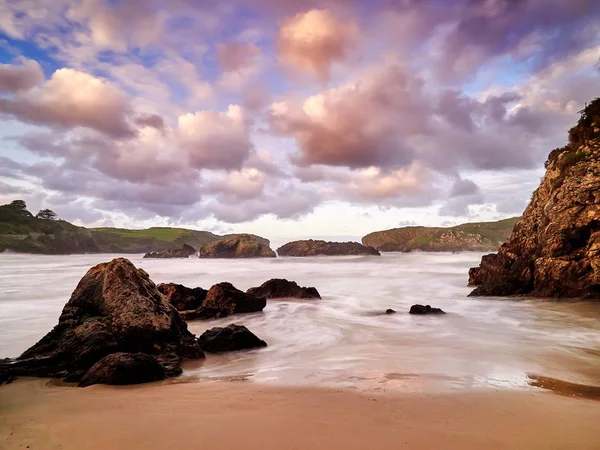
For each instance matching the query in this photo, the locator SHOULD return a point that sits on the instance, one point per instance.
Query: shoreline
(239, 414)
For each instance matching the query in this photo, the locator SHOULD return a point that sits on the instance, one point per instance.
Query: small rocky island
(282, 288)
(185, 251)
(554, 251)
(313, 247)
(238, 246)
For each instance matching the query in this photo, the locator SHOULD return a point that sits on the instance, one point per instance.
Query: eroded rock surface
(229, 339)
(181, 297)
(124, 368)
(238, 246)
(554, 251)
(225, 296)
(185, 251)
(313, 247)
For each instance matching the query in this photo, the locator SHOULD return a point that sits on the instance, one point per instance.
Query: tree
(47, 214)
(19, 205)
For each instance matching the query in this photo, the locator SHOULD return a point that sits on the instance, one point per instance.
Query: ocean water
(344, 339)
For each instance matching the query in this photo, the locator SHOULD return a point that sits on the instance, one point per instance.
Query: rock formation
(238, 246)
(185, 251)
(477, 236)
(124, 368)
(224, 296)
(229, 339)
(313, 247)
(181, 297)
(115, 308)
(424, 309)
(554, 251)
(281, 288)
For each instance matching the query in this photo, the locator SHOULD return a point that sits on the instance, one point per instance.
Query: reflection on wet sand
(563, 387)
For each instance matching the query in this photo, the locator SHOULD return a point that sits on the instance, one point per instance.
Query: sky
(288, 118)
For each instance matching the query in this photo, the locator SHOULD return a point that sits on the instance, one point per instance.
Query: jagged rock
(204, 313)
(115, 308)
(427, 309)
(185, 251)
(181, 297)
(554, 251)
(238, 246)
(313, 247)
(224, 296)
(124, 368)
(390, 311)
(282, 288)
(229, 339)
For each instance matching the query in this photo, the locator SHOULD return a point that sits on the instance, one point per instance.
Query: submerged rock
(554, 251)
(238, 246)
(181, 297)
(115, 308)
(224, 296)
(185, 251)
(427, 309)
(229, 339)
(313, 247)
(390, 311)
(124, 368)
(282, 288)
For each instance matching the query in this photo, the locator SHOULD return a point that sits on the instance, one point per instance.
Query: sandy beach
(38, 414)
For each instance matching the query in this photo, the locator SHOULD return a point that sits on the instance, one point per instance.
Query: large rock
(313, 247)
(238, 246)
(115, 308)
(224, 296)
(282, 288)
(229, 339)
(554, 251)
(185, 251)
(204, 313)
(124, 368)
(181, 297)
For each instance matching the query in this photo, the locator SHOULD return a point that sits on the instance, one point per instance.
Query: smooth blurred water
(343, 339)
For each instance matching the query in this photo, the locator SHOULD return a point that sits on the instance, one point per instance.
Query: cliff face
(313, 247)
(481, 236)
(554, 251)
(238, 246)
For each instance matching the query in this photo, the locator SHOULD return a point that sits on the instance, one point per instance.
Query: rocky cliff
(313, 247)
(185, 251)
(238, 246)
(554, 251)
(479, 236)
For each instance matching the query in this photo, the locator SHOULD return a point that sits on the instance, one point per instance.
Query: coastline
(41, 414)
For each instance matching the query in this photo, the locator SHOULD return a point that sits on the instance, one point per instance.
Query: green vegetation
(479, 236)
(572, 158)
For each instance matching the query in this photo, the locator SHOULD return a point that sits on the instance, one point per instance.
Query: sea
(345, 339)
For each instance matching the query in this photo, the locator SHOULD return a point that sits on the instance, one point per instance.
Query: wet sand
(235, 415)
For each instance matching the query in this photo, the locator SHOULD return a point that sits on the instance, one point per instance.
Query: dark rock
(115, 308)
(181, 297)
(185, 251)
(390, 311)
(554, 250)
(281, 288)
(204, 313)
(124, 368)
(229, 339)
(238, 246)
(313, 247)
(420, 309)
(224, 296)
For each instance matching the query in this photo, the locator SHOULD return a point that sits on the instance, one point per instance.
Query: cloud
(240, 62)
(215, 140)
(462, 194)
(71, 98)
(22, 77)
(315, 40)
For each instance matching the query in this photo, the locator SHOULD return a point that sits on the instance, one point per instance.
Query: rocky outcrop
(313, 247)
(477, 236)
(424, 309)
(238, 246)
(115, 308)
(124, 368)
(282, 288)
(181, 297)
(229, 339)
(554, 251)
(185, 251)
(224, 296)
(204, 313)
